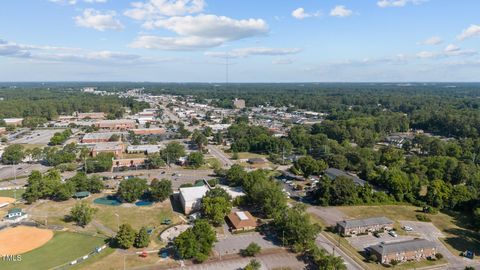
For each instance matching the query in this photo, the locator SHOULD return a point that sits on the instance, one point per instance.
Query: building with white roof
(191, 198)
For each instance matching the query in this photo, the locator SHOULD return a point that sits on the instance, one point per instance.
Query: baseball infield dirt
(21, 239)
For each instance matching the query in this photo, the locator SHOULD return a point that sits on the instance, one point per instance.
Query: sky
(255, 40)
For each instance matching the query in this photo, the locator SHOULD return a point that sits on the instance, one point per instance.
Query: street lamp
(118, 221)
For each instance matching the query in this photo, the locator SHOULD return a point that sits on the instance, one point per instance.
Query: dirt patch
(23, 239)
(7, 200)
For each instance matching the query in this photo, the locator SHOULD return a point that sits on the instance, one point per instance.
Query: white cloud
(95, 1)
(154, 9)
(201, 31)
(300, 14)
(449, 51)
(431, 41)
(282, 61)
(473, 30)
(451, 48)
(398, 3)
(174, 43)
(68, 54)
(99, 21)
(246, 52)
(341, 11)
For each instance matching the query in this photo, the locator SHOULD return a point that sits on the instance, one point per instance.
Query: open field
(11, 193)
(115, 260)
(457, 239)
(23, 239)
(62, 248)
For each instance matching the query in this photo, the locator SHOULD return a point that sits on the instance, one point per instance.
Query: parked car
(407, 228)
(393, 233)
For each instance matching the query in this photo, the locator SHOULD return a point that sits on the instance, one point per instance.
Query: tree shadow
(464, 239)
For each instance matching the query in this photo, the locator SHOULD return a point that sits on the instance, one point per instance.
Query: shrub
(439, 256)
(423, 217)
(251, 250)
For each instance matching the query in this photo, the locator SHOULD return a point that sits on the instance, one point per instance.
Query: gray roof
(366, 222)
(334, 173)
(404, 246)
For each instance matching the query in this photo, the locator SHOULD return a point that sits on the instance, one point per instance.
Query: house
(241, 221)
(239, 103)
(15, 215)
(13, 121)
(148, 131)
(360, 226)
(333, 173)
(116, 148)
(124, 124)
(98, 137)
(411, 250)
(191, 198)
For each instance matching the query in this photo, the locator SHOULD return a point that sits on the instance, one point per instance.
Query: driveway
(427, 230)
(330, 215)
(362, 242)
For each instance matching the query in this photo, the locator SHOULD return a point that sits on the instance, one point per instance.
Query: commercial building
(411, 250)
(241, 221)
(239, 103)
(366, 225)
(116, 148)
(333, 173)
(98, 137)
(191, 198)
(13, 121)
(125, 124)
(146, 149)
(148, 131)
(93, 115)
(128, 163)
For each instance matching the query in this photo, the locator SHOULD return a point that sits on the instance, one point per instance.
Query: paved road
(41, 136)
(331, 247)
(220, 155)
(22, 169)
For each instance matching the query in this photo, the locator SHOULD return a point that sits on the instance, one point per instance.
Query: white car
(393, 233)
(408, 228)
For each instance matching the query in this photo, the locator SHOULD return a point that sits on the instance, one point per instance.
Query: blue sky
(264, 40)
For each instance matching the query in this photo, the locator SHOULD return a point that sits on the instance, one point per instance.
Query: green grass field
(11, 193)
(63, 248)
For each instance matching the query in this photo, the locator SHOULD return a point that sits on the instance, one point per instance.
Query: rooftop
(398, 247)
(193, 193)
(242, 219)
(334, 173)
(366, 222)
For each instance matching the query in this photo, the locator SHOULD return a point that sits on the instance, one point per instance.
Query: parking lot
(233, 243)
(20, 170)
(42, 136)
(362, 242)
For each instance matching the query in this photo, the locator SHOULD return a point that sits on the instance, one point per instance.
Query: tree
(33, 191)
(132, 189)
(294, 227)
(155, 161)
(309, 166)
(195, 159)
(215, 209)
(160, 190)
(172, 152)
(343, 191)
(101, 163)
(64, 192)
(199, 139)
(236, 175)
(82, 183)
(125, 237)
(82, 213)
(196, 242)
(251, 250)
(253, 265)
(13, 154)
(142, 238)
(218, 192)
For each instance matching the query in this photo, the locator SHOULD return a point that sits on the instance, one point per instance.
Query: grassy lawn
(10, 193)
(150, 216)
(457, 239)
(63, 248)
(115, 260)
(247, 155)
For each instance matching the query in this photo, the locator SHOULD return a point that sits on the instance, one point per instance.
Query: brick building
(411, 250)
(360, 226)
(125, 124)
